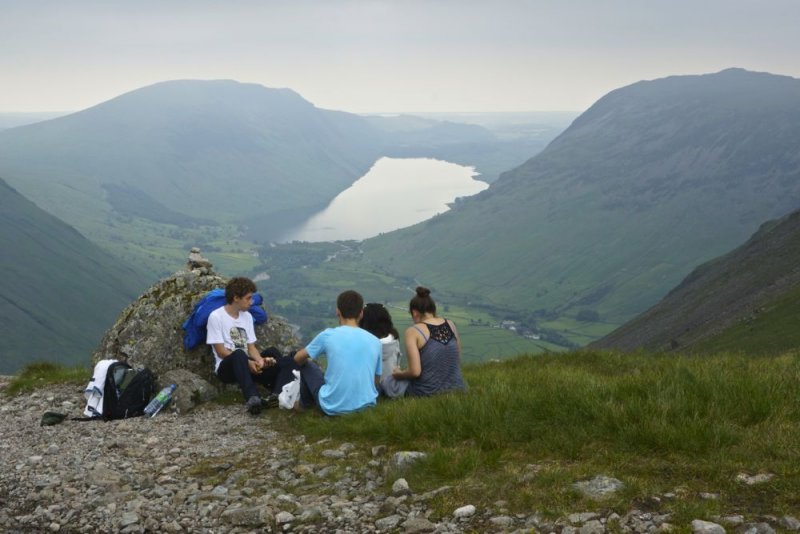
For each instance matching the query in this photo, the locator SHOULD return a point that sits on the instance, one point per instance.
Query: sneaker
(253, 405)
(270, 401)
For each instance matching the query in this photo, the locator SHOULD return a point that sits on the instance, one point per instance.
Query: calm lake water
(395, 193)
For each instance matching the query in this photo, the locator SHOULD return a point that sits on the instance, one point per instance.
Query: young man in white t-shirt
(232, 338)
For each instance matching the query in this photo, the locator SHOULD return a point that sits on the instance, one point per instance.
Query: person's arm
(378, 366)
(458, 338)
(411, 338)
(221, 350)
(257, 362)
(301, 357)
(215, 337)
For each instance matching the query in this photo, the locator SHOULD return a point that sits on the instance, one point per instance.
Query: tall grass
(657, 422)
(37, 374)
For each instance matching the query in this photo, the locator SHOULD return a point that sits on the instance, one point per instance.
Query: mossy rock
(149, 332)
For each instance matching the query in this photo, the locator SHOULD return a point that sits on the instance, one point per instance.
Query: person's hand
(269, 362)
(255, 367)
(397, 373)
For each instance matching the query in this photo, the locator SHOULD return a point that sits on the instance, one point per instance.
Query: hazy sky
(380, 55)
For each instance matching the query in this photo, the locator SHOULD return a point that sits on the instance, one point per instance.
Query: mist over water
(395, 193)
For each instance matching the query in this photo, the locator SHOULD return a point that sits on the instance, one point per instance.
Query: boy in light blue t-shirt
(354, 361)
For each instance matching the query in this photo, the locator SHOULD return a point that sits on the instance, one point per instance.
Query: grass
(35, 375)
(771, 331)
(532, 426)
(670, 427)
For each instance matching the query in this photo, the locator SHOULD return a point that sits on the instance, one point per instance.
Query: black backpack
(127, 391)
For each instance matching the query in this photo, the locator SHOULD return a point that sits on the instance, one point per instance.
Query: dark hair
(377, 321)
(350, 303)
(422, 302)
(238, 287)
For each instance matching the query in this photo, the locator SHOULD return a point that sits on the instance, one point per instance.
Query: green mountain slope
(745, 300)
(219, 164)
(59, 292)
(222, 150)
(650, 181)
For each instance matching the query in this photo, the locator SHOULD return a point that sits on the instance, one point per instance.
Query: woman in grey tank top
(433, 351)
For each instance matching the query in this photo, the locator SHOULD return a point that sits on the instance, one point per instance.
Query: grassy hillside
(59, 292)
(679, 432)
(305, 278)
(670, 428)
(159, 167)
(650, 181)
(770, 331)
(219, 164)
(745, 300)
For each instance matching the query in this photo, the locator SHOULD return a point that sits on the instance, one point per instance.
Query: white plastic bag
(290, 393)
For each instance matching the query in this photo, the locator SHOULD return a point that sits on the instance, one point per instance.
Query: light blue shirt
(354, 359)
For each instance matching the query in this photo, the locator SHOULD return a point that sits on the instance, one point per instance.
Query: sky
(386, 56)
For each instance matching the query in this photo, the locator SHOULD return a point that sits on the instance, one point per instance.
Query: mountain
(220, 150)
(652, 180)
(501, 142)
(59, 292)
(220, 164)
(746, 300)
(12, 120)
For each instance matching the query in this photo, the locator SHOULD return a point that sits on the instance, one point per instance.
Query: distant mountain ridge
(58, 291)
(143, 173)
(740, 301)
(216, 148)
(650, 181)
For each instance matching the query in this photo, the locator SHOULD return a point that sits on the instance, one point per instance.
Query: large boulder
(149, 331)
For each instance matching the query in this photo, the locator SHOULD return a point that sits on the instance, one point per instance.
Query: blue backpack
(195, 324)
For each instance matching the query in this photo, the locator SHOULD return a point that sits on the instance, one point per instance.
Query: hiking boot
(270, 401)
(253, 405)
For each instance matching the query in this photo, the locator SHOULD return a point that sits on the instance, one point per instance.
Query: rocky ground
(218, 469)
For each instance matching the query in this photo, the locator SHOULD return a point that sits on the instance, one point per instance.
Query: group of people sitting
(362, 354)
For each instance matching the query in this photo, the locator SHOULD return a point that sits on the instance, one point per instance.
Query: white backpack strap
(94, 389)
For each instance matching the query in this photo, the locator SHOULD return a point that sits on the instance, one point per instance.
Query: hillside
(615, 443)
(12, 120)
(223, 150)
(220, 164)
(744, 300)
(501, 143)
(652, 180)
(59, 292)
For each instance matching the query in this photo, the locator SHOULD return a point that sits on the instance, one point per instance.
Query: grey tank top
(440, 361)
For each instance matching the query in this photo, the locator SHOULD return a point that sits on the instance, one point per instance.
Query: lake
(395, 193)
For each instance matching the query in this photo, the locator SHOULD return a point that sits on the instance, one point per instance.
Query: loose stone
(706, 527)
(400, 487)
(464, 512)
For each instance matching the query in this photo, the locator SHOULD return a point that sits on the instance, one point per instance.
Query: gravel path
(220, 470)
(214, 470)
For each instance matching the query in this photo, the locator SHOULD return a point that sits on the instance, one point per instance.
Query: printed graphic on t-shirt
(239, 337)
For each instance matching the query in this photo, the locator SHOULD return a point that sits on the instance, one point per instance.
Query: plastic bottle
(159, 401)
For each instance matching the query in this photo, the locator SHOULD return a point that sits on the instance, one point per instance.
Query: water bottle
(159, 401)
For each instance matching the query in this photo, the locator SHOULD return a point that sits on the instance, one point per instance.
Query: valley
(305, 278)
(585, 224)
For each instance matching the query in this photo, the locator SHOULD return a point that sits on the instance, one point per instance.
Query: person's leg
(276, 376)
(393, 388)
(235, 370)
(311, 380)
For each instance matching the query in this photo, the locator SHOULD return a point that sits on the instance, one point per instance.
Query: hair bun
(423, 291)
